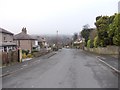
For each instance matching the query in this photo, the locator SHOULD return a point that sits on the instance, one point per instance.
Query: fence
(14, 56)
(11, 57)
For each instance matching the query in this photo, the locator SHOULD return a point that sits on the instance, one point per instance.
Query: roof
(7, 44)
(23, 36)
(5, 31)
(39, 38)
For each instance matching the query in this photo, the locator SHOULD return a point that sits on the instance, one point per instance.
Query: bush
(24, 55)
(29, 56)
(116, 40)
(34, 51)
(90, 44)
(95, 42)
(25, 51)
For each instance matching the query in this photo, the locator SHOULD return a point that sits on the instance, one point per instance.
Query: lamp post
(57, 39)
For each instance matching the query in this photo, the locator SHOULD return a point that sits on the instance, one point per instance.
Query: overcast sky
(48, 16)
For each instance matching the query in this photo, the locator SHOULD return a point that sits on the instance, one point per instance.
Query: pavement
(68, 68)
(16, 67)
(112, 62)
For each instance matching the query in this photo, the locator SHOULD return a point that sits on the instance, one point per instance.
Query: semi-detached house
(24, 41)
(6, 41)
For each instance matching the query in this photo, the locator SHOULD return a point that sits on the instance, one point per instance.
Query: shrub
(90, 44)
(116, 40)
(34, 51)
(25, 51)
(95, 42)
(29, 56)
(24, 55)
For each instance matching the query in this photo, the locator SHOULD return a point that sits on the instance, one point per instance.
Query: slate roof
(5, 31)
(23, 36)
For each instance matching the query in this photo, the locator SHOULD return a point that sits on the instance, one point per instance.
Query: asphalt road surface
(69, 68)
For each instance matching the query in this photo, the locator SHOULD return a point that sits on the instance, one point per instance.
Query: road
(69, 68)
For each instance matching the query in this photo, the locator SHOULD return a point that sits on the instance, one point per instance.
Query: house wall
(25, 44)
(6, 37)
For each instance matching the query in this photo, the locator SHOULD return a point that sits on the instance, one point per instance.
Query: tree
(96, 42)
(87, 26)
(111, 31)
(85, 33)
(93, 34)
(75, 36)
(108, 28)
(102, 25)
(116, 24)
(90, 44)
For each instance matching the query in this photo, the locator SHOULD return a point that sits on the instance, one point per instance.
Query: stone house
(24, 41)
(6, 41)
(42, 42)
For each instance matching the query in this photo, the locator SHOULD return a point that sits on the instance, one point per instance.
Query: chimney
(24, 30)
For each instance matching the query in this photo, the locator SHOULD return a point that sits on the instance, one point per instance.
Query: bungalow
(24, 41)
(6, 41)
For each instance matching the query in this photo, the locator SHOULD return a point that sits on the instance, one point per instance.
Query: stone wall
(40, 53)
(112, 50)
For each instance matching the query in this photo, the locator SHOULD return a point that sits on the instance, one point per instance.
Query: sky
(48, 16)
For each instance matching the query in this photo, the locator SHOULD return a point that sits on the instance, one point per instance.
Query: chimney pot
(24, 30)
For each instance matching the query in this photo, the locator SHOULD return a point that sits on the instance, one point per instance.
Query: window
(4, 38)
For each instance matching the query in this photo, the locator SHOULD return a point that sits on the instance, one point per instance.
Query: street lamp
(57, 39)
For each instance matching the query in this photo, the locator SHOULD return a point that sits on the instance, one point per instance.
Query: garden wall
(8, 58)
(112, 50)
(40, 53)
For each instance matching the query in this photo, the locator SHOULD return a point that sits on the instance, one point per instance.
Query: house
(42, 42)
(6, 41)
(79, 42)
(24, 40)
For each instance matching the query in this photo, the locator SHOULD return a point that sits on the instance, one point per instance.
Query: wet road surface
(69, 68)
